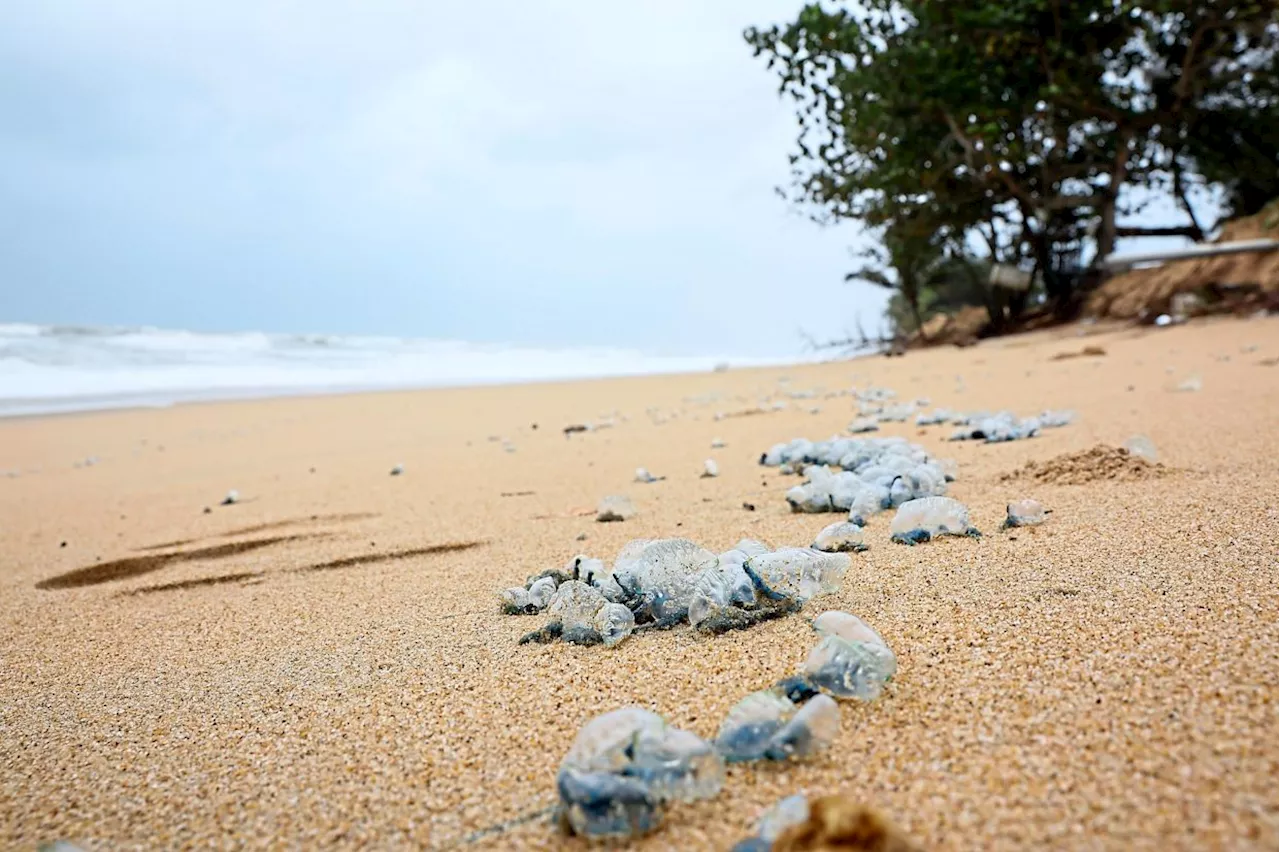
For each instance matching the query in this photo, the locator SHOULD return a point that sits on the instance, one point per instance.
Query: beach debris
(802, 824)
(851, 660)
(1025, 513)
(840, 537)
(1184, 305)
(793, 810)
(574, 429)
(643, 475)
(1142, 447)
(717, 444)
(750, 507)
(1163, 320)
(233, 496)
(660, 584)
(928, 518)
(616, 507)
(397, 470)
(1090, 351)
(1191, 384)
(626, 766)
(767, 725)
(862, 424)
(710, 469)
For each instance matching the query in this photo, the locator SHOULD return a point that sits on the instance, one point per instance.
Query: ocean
(48, 369)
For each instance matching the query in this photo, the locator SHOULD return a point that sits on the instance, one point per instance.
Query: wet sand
(322, 664)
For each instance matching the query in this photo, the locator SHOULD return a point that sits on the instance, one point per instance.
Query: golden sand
(323, 664)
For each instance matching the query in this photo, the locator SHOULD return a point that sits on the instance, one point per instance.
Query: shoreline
(132, 401)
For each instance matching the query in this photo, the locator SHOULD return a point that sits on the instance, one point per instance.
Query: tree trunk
(1180, 191)
(913, 302)
(1106, 239)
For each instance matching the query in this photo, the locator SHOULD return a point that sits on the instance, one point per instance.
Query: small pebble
(395, 471)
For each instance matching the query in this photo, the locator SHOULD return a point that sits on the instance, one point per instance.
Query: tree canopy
(1016, 130)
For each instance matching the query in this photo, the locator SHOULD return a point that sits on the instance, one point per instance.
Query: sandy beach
(323, 663)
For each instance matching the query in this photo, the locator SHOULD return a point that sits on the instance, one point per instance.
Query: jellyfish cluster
(660, 584)
(627, 766)
(875, 474)
(994, 427)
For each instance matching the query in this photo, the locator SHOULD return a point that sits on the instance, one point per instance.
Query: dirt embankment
(1236, 283)
(1223, 284)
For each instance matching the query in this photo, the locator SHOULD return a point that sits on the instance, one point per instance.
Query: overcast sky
(542, 173)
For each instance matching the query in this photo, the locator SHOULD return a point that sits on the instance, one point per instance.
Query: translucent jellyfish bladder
(793, 810)
(767, 725)
(615, 508)
(626, 766)
(1142, 447)
(1025, 513)
(840, 537)
(930, 517)
(583, 616)
(850, 659)
(799, 573)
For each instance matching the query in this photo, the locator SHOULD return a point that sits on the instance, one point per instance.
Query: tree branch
(1192, 231)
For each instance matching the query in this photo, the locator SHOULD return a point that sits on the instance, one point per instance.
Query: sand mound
(1101, 462)
(1224, 284)
(838, 822)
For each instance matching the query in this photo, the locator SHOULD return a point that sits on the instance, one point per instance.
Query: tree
(1015, 124)
(926, 274)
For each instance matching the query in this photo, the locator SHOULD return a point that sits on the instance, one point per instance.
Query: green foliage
(1015, 124)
